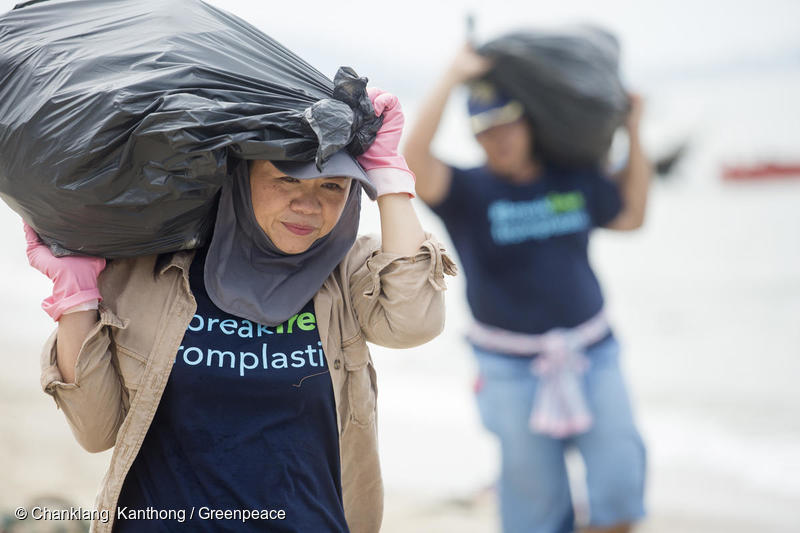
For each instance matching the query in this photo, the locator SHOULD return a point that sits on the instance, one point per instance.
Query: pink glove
(74, 277)
(385, 167)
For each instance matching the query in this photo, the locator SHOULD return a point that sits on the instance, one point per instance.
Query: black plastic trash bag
(569, 85)
(119, 118)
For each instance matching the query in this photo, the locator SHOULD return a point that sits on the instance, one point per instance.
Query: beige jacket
(124, 363)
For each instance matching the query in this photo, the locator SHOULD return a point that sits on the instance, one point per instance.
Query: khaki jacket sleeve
(399, 300)
(93, 404)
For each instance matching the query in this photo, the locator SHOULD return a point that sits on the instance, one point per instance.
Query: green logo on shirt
(537, 219)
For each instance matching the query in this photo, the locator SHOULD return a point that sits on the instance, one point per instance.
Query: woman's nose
(306, 203)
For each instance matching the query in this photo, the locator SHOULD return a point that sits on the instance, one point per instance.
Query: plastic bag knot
(346, 120)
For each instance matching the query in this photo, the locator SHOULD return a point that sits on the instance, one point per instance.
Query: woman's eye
(289, 179)
(333, 186)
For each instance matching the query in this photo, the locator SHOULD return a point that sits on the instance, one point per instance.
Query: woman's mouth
(298, 229)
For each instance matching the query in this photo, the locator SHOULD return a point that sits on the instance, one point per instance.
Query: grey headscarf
(248, 276)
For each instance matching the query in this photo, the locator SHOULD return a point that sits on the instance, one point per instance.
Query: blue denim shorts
(533, 487)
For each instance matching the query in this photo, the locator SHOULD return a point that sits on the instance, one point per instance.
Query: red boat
(761, 171)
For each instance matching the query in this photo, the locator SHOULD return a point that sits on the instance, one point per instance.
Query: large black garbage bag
(119, 118)
(569, 84)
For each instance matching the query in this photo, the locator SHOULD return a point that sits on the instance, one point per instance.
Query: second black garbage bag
(569, 84)
(119, 118)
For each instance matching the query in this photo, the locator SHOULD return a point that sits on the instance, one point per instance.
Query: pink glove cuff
(56, 304)
(369, 161)
(90, 305)
(392, 180)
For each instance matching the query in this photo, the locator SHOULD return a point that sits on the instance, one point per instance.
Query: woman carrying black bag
(234, 382)
(548, 361)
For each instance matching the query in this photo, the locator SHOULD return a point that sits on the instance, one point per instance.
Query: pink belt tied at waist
(559, 408)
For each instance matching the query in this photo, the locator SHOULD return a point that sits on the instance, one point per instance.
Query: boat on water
(759, 171)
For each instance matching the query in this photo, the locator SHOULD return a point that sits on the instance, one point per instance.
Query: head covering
(247, 275)
(339, 164)
(489, 107)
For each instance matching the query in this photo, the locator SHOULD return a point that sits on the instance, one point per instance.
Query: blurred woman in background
(549, 376)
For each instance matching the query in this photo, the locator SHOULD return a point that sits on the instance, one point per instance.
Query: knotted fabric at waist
(559, 406)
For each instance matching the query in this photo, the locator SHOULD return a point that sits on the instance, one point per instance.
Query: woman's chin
(293, 244)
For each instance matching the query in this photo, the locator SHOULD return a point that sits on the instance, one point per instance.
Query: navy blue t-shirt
(524, 247)
(247, 421)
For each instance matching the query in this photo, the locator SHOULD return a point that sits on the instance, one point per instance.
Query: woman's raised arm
(88, 391)
(73, 303)
(401, 231)
(397, 293)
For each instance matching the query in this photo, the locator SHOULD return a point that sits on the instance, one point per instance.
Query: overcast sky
(403, 46)
(397, 42)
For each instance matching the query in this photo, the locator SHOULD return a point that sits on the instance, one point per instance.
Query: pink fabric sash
(559, 408)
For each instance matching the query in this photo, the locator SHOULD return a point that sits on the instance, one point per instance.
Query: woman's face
(507, 147)
(295, 213)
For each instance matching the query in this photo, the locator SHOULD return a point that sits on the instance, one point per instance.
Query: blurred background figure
(549, 377)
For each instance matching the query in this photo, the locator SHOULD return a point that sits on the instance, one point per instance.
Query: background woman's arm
(634, 179)
(433, 176)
